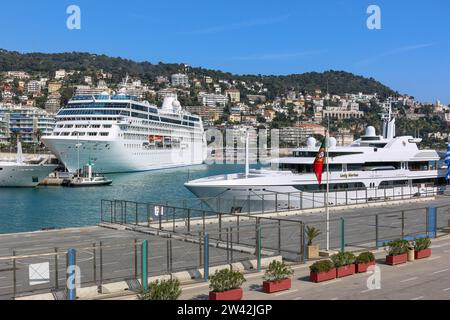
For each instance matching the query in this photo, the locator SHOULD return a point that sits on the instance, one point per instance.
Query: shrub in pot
(226, 285)
(312, 250)
(422, 248)
(344, 263)
(397, 252)
(277, 277)
(363, 261)
(162, 290)
(322, 271)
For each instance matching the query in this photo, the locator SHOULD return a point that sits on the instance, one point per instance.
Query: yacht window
(419, 166)
(354, 166)
(104, 134)
(92, 134)
(107, 126)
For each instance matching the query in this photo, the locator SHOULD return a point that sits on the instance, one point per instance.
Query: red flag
(319, 162)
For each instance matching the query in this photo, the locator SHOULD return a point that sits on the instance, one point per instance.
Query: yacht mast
(247, 162)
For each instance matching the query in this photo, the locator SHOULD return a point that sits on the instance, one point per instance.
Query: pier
(110, 255)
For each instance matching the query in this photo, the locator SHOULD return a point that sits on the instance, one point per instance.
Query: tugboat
(86, 178)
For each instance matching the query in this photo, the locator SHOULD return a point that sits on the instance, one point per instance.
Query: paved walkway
(422, 279)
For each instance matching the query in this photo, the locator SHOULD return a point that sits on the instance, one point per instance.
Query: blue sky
(411, 53)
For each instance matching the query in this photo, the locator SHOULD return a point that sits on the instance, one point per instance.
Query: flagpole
(327, 140)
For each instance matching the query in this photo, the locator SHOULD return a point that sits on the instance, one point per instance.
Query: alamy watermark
(374, 280)
(74, 20)
(374, 20)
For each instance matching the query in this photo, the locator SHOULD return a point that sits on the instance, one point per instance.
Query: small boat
(90, 182)
(88, 179)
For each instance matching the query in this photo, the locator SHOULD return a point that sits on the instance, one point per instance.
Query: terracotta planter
(345, 271)
(313, 252)
(230, 295)
(362, 267)
(276, 286)
(323, 276)
(393, 260)
(423, 254)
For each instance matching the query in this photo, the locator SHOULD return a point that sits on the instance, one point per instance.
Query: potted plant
(322, 271)
(344, 263)
(277, 277)
(364, 261)
(422, 248)
(312, 250)
(226, 285)
(164, 290)
(397, 252)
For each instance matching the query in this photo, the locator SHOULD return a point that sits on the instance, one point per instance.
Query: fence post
(276, 202)
(204, 220)
(56, 269)
(144, 266)
(14, 275)
(431, 222)
(342, 234)
(189, 221)
(376, 232)
(228, 245)
(161, 210)
(231, 243)
(148, 215)
(126, 211)
(71, 275)
(238, 229)
(206, 257)
(100, 285)
(259, 247)
(94, 261)
(220, 226)
(200, 249)
(403, 225)
(279, 237)
(304, 243)
(136, 213)
(135, 243)
(173, 220)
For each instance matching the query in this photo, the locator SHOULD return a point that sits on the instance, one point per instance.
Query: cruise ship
(373, 168)
(120, 133)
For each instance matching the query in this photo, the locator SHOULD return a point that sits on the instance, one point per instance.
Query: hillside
(337, 82)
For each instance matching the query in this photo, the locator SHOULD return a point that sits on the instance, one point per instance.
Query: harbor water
(24, 210)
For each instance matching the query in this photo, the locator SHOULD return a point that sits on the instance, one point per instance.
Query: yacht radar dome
(311, 142)
(332, 142)
(370, 132)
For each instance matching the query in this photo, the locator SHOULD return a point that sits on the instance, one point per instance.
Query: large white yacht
(373, 168)
(119, 133)
(25, 173)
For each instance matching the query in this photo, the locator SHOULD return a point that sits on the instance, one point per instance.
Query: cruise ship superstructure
(120, 133)
(373, 168)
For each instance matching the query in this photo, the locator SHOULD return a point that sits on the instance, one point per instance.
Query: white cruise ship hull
(23, 176)
(113, 156)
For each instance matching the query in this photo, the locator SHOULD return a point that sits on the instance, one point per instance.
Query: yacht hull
(24, 176)
(285, 198)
